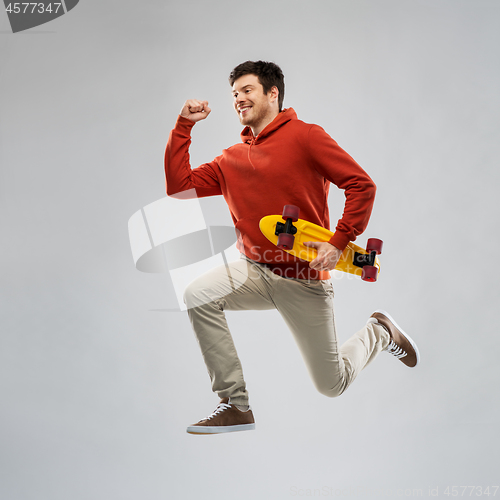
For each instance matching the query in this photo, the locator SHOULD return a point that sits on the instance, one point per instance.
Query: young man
(280, 161)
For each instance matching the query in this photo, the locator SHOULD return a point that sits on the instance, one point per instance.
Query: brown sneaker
(225, 418)
(401, 345)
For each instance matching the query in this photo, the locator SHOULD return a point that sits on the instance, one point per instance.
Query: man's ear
(274, 93)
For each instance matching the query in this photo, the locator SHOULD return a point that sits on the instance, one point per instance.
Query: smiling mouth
(244, 109)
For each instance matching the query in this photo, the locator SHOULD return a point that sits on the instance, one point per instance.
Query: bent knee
(196, 296)
(189, 293)
(331, 391)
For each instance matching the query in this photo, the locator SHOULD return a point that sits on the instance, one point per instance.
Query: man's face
(251, 104)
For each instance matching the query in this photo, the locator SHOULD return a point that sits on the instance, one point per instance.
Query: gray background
(97, 389)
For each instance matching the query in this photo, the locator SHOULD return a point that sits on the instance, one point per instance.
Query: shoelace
(220, 408)
(395, 350)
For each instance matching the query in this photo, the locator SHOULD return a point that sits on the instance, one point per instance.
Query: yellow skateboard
(289, 233)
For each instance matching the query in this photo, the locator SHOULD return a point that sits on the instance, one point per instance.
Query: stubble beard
(255, 120)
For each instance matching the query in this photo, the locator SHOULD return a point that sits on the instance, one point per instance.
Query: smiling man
(280, 161)
(254, 107)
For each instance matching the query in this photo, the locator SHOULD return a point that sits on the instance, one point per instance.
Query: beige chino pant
(307, 308)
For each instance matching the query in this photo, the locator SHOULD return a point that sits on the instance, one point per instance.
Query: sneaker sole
(410, 340)
(219, 430)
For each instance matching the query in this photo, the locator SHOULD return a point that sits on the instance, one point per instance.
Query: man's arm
(334, 164)
(178, 174)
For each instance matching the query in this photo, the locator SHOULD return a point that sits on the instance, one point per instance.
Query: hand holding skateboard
(292, 238)
(328, 255)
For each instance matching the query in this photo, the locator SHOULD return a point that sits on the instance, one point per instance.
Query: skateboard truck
(285, 231)
(367, 261)
(362, 260)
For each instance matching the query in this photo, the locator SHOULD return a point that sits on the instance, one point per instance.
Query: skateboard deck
(355, 260)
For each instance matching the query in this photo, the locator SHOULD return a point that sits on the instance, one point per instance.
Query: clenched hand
(195, 110)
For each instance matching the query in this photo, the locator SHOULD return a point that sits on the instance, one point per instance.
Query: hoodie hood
(283, 117)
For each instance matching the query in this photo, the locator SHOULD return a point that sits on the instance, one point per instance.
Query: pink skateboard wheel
(369, 273)
(291, 212)
(374, 244)
(285, 241)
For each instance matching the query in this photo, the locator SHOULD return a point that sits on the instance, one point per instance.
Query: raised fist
(195, 110)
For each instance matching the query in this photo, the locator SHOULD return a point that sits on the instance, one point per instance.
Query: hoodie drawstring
(252, 141)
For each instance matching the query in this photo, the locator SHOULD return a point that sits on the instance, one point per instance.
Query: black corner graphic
(70, 4)
(25, 15)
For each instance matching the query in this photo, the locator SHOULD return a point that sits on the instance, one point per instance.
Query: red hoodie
(289, 163)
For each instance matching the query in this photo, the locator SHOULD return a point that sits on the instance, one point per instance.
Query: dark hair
(268, 73)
